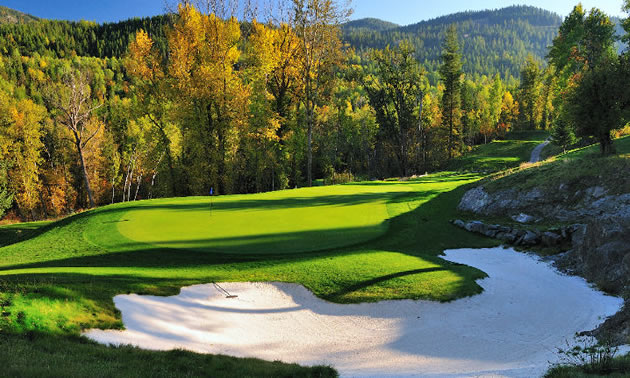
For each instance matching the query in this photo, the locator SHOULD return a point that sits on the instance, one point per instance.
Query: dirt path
(512, 329)
(537, 151)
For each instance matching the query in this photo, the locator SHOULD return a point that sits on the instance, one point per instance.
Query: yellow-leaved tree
(211, 98)
(20, 148)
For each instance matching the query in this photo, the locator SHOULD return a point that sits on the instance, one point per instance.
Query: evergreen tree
(451, 75)
(562, 134)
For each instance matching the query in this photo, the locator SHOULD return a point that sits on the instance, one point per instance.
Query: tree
(144, 64)
(6, 197)
(529, 95)
(598, 104)
(316, 22)
(20, 151)
(626, 22)
(599, 38)
(567, 47)
(509, 114)
(451, 74)
(210, 95)
(562, 134)
(72, 101)
(395, 95)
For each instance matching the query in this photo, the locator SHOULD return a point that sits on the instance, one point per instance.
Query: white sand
(512, 329)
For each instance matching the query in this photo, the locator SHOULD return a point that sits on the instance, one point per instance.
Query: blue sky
(399, 11)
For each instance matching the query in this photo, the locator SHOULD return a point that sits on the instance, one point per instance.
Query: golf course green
(359, 242)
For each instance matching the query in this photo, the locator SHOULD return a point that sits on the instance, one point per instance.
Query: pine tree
(562, 134)
(451, 75)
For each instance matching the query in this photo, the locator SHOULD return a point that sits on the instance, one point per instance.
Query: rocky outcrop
(535, 205)
(517, 236)
(597, 244)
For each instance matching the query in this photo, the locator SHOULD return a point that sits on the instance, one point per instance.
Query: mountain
(85, 38)
(492, 41)
(11, 16)
(369, 24)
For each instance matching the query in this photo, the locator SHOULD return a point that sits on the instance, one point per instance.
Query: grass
(577, 170)
(63, 278)
(619, 367)
(500, 154)
(41, 355)
(359, 242)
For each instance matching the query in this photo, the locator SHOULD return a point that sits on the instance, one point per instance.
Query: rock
(459, 223)
(530, 238)
(506, 237)
(596, 192)
(523, 218)
(474, 200)
(474, 226)
(578, 234)
(551, 239)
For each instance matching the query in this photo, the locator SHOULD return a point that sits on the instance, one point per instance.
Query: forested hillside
(93, 114)
(493, 41)
(11, 16)
(84, 38)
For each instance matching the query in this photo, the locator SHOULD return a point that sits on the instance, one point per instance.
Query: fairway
(290, 221)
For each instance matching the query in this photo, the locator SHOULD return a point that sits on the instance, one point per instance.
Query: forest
(206, 101)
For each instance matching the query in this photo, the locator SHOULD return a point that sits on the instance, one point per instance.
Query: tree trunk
(606, 145)
(86, 179)
(309, 153)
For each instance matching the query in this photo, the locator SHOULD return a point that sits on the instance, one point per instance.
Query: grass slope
(500, 154)
(351, 243)
(577, 169)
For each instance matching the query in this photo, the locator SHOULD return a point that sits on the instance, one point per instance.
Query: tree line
(237, 107)
(581, 95)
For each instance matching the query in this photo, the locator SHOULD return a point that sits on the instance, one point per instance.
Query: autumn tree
(20, 150)
(509, 113)
(6, 197)
(451, 76)
(144, 65)
(316, 22)
(210, 95)
(72, 102)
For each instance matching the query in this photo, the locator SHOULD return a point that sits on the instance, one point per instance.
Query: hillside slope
(493, 41)
(12, 16)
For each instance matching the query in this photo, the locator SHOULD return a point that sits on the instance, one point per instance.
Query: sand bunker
(512, 329)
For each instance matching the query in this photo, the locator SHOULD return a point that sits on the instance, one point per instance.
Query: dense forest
(193, 103)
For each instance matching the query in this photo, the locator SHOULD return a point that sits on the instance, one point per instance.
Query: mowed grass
(291, 221)
(360, 242)
(500, 154)
(63, 280)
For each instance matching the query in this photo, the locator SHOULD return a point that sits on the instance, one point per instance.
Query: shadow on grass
(336, 296)
(423, 232)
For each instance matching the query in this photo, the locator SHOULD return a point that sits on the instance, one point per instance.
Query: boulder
(459, 223)
(530, 238)
(474, 200)
(523, 218)
(551, 239)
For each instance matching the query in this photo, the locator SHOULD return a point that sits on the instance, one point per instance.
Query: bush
(587, 356)
(335, 178)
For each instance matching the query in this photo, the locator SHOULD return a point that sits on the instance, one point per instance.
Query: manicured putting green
(291, 221)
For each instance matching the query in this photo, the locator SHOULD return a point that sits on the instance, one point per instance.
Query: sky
(402, 12)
